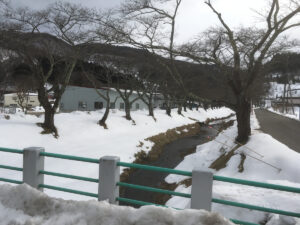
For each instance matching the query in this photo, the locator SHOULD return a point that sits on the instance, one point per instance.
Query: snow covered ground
(81, 136)
(22, 205)
(273, 152)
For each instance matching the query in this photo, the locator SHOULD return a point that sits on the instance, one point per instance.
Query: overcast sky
(194, 15)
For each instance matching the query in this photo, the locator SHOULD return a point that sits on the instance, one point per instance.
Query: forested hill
(285, 67)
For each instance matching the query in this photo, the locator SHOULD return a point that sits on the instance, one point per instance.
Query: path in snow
(283, 129)
(170, 157)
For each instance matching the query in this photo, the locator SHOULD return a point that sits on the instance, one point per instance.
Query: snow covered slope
(23, 205)
(81, 136)
(273, 152)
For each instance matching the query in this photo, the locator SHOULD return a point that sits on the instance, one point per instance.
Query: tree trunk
(179, 110)
(168, 110)
(184, 106)
(102, 122)
(190, 105)
(150, 109)
(48, 124)
(127, 111)
(243, 110)
(284, 99)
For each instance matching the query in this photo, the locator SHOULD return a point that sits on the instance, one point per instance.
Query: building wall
(12, 100)
(87, 99)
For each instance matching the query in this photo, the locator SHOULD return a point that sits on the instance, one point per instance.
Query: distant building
(12, 100)
(158, 101)
(87, 99)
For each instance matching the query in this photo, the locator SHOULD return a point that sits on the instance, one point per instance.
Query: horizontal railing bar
(254, 207)
(69, 157)
(11, 168)
(155, 168)
(11, 150)
(242, 222)
(137, 202)
(69, 176)
(68, 190)
(11, 181)
(257, 184)
(158, 190)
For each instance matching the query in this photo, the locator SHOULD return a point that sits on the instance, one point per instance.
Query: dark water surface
(170, 157)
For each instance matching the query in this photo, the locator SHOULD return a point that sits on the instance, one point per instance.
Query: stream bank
(169, 156)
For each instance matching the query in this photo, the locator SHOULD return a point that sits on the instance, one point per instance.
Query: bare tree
(23, 88)
(127, 81)
(149, 90)
(167, 93)
(241, 53)
(126, 87)
(148, 25)
(103, 80)
(51, 59)
(22, 99)
(148, 87)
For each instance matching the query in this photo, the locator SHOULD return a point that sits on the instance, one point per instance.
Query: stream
(170, 157)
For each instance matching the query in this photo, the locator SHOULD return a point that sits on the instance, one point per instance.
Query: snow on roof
(24, 205)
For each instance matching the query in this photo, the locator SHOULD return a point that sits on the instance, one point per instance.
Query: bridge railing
(109, 181)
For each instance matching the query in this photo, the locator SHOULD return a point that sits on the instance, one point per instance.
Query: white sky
(194, 15)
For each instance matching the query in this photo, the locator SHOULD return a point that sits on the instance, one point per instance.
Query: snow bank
(273, 152)
(295, 116)
(23, 205)
(81, 136)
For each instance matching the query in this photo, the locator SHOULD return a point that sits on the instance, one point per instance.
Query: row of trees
(149, 25)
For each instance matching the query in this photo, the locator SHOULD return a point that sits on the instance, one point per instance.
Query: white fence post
(201, 189)
(32, 164)
(109, 175)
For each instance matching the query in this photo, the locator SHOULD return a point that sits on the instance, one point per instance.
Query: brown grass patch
(221, 162)
(171, 135)
(160, 140)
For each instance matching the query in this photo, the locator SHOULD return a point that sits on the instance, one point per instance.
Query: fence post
(109, 175)
(32, 164)
(201, 189)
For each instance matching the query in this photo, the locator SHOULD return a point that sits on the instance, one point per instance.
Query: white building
(87, 99)
(12, 100)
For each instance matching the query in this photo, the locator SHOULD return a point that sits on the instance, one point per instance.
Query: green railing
(151, 189)
(155, 168)
(59, 156)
